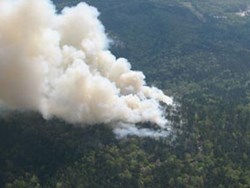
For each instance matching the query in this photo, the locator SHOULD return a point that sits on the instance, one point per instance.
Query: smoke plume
(60, 66)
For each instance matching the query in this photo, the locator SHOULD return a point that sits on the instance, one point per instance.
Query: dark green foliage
(201, 59)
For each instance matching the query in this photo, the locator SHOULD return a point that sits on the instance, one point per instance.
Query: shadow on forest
(28, 143)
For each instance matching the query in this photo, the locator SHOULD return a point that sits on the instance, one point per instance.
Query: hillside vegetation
(196, 51)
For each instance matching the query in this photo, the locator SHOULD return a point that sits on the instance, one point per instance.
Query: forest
(196, 51)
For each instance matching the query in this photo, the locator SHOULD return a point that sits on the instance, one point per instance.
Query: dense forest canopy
(196, 51)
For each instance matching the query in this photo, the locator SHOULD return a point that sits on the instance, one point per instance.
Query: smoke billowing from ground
(60, 65)
(123, 130)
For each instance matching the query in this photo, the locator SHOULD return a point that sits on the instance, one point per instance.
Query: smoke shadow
(28, 143)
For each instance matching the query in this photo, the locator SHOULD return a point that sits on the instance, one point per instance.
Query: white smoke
(60, 65)
(123, 130)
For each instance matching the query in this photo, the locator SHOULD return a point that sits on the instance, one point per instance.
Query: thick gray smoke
(60, 65)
